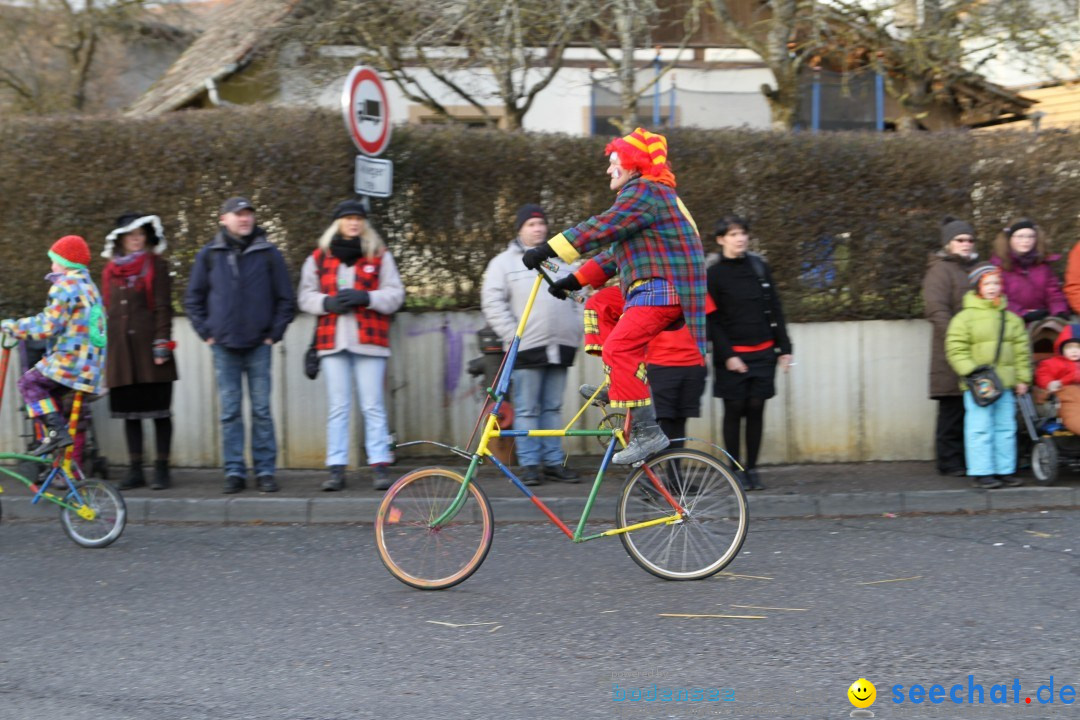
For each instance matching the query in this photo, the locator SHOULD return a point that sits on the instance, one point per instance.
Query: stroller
(1050, 443)
(87, 449)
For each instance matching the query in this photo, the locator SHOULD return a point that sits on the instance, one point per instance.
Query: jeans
(990, 436)
(538, 394)
(344, 370)
(230, 366)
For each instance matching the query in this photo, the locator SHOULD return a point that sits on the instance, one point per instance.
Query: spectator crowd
(648, 301)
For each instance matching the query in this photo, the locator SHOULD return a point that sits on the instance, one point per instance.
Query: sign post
(366, 110)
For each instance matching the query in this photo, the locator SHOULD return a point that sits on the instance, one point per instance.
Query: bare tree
(784, 33)
(48, 49)
(926, 50)
(432, 49)
(628, 25)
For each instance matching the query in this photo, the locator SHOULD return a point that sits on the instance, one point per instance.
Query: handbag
(311, 362)
(983, 381)
(311, 357)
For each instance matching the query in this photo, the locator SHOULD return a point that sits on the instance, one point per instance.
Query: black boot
(337, 479)
(56, 434)
(646, 437)
(134, 478)
(161, 475)
(754, 480)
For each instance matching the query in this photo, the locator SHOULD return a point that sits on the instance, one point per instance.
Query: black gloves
(334, 304)
(1035, 315)
(354, 298)
(1064, 315)
(345, 300)
(534, 256)
(562, 288)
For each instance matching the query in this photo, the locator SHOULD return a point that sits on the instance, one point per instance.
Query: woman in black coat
(749, 338)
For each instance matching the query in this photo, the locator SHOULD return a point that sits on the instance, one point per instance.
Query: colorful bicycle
(681, 515)
(92, 512)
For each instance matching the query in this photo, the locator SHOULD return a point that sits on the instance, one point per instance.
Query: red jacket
(1058, 367)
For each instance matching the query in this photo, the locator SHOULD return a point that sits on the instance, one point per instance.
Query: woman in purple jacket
(1032, 288)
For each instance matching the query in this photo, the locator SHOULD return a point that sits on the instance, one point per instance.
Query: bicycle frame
(492, 430)
(65, 468)
(42, 491)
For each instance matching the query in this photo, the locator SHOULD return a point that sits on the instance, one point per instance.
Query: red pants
(624, 351)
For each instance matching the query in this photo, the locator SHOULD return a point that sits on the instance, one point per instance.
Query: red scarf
(137, 274)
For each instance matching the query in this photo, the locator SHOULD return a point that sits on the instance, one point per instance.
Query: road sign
(374, 177)
(366, 111)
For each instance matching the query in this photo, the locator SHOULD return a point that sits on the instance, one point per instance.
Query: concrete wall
(857, 392)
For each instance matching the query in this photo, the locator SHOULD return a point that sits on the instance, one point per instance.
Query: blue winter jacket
(240, 298)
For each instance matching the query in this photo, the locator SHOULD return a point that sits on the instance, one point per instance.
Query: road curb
(319, 511)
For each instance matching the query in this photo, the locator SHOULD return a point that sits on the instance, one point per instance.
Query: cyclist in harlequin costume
(676, 369)
(649, 238)
(74, 324)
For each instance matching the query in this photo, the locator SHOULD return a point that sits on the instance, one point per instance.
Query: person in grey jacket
(550, 341)
(351, 283)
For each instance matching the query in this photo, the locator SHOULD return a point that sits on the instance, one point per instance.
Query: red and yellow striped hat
(643, 151)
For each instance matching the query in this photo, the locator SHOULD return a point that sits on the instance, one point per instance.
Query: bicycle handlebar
(555, 268)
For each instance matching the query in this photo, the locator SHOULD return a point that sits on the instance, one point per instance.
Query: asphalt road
(303, 623)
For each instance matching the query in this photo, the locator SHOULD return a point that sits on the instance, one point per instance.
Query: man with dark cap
(547, 348)
(240, 300)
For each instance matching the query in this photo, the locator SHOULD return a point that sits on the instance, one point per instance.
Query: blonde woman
(351, 283)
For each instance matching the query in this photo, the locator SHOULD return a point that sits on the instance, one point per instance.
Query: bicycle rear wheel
(425, 557)
(713, 527)
(109, 514)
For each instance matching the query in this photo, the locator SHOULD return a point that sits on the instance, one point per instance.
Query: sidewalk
(848, 489)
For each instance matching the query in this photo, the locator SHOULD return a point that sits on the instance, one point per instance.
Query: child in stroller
(1053, 426)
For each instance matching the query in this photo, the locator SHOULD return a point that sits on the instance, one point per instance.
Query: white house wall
(714, 98)
(858, 392)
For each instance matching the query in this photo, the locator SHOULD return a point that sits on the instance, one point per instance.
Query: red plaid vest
(372, 328)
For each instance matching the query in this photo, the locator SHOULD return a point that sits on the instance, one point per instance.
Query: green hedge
(846, 219)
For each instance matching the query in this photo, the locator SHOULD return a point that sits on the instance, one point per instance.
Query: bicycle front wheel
(426, 557)
(712, 529)
(102, 514)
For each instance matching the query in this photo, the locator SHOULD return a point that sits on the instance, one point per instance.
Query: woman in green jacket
(972, 340)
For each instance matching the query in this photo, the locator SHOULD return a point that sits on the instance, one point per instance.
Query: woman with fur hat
(943, 290)
(1032, 287)
(137, 291)
(351, 283)
(985, 333)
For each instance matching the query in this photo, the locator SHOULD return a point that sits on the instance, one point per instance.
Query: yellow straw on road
(731, 617)
(878, 582)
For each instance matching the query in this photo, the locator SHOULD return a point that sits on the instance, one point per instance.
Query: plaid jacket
(647, 233)
(74, 324)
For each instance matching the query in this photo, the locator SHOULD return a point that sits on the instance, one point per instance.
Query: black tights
(753, 409)
(162, 438)
(674, 428)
